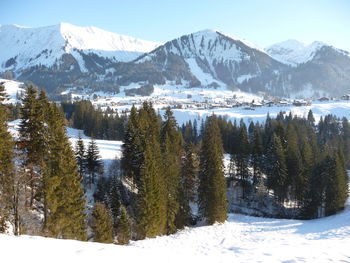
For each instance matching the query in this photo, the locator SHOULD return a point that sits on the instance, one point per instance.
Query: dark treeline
(303, 163)
(108, 124)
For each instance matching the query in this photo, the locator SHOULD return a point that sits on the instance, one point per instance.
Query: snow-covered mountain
(293, 52)
(45, 46)
(208, 58)
(64, 56)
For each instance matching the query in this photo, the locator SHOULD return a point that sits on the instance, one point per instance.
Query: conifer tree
(336, 187)
(123, 230)
(132, 149)
(80, 155)
(293, 163)
(114, 200)
(242, 157)
(188, 186)
(257, 155)
(101, 224)
(171, 144)
(33, 138)
(6, 165)
(94, 165)
(151, 199)
(276, 169)
(63, 192)
(212, 184)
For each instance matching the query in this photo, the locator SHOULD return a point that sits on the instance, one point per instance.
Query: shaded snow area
(240, 239)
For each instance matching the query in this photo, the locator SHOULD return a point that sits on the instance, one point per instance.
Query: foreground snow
(240, 239)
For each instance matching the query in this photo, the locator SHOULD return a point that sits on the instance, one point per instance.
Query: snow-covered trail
(240, 239)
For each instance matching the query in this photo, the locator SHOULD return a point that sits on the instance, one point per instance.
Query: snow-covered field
(240, 239)
(109, 150)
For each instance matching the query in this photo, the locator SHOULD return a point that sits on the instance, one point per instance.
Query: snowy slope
(293, 52)
(240, 239)
(109, 150)
(45, 45)
(12, 88)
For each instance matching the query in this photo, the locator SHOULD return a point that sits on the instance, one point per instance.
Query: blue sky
(262, 22)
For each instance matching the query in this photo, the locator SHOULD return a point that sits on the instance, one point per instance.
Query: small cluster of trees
(95, 122)
(89, 161)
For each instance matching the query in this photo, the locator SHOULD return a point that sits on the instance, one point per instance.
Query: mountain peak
(294, 52)
(26, 47)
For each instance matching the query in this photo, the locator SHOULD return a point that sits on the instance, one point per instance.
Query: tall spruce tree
(33, 137)
(242, 158)
(63, 192)
(94, 165)
(257, 155)
(293, 164)
(212, 183)
(276, 168)
(132, 148)
(151, 199)
(80, 155)
(188, 185)
(6, 165)
(171, 145)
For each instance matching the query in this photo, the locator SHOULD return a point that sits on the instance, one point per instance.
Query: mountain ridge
(64, 56)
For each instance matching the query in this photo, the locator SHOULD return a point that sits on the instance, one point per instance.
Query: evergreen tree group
(46, 168)
(287, 155)
(107, 124)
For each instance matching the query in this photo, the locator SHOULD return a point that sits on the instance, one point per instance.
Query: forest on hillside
(168, 177)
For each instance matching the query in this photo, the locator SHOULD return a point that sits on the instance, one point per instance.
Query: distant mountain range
(66, 56)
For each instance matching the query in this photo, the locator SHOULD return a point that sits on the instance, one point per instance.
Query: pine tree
(6, 165)
(114, 200)
(132, 149)
(276, 169)
(94, 165)
(151, 199)
(101, 224)
(33, 139)
(242, 158)
(80, 155)
(123, 230)
(293, 164)
(212, 184)
(188, 186)
(171, 144)
(337, 185)
(64, 196)
(257, 155)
